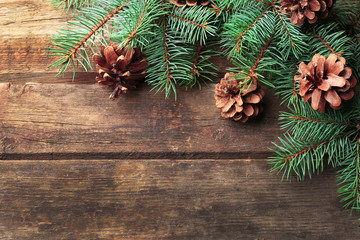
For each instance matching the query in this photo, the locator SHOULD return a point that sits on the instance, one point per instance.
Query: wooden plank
(27, 27)
(166, 199)
(64, 121)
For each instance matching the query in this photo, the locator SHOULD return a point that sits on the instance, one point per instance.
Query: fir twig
(70, 43)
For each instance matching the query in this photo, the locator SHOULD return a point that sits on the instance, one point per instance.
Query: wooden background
(75, 165)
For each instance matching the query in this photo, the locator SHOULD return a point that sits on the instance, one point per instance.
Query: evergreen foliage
(262, 44)
(70, 4)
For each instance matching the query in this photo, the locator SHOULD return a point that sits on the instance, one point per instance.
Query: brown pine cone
(237, 100)
(326, 80)
(119, 68)
(190, 3)
(309, 10)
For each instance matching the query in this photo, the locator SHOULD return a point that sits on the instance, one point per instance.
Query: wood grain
(52, 129)
(27, 27)
(166, 199)
(54, 120)
(26, 30)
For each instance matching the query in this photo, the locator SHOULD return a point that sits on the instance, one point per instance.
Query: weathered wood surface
(50, 120)
(76, 165)
(166, 199)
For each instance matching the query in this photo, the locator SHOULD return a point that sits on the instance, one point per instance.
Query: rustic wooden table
(75, 165)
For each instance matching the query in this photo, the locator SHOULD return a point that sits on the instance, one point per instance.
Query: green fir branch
(349, 177)
(327, 39)
(193, 24)
(303, 158)
(312, 137)
(72, 43)
(302, 122)
(291, 38)
(134, 26)
(249, 26)
(284, 81)
(254, 64)
(168, 61)
(66, 5)
(203, 69)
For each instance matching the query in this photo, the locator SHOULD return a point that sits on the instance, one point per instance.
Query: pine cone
(119, 68)
(190, 3)
(326, 80)
(311, 10)
(236, 100)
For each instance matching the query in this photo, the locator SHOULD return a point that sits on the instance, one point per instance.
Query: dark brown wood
(50, 120)
(166, 199)
(52, 129)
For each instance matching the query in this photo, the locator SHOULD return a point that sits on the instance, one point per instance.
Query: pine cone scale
(135, 76)
(332, 97)
(248, 110)
(310, 10)
(324, 86)
(238, 99)
(336, 81)
(330, 61)
(138, 66)
(315, 99)
(346, 96)
(346, 73)
(333, 83)
(314, 5)
(239, 107)
(110, 55)
(344, 88)
(190, 3)
(252, 98)
(228, 105)
(353, 81)
(119, 68)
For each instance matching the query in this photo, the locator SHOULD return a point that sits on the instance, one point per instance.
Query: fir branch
(194, 70)
(70, 4)
(289, 158)
(349, 178)
(346, 14)
(303, 119)
(204, 25)
(168, 58)
(323, 41)
(253, 69)
(95, 29)
(312, 137)
(294, 82)
(134, 26)
(91, 22)
(252, 64)
(248, 26)
(357, 37)
(291, 37)
(193, 24)
(133, 33)
(219, 10)
(240, 37)
(328, 39)
(355, 21)
(225, 9)
(305, 123)
(203, 68)
(306, 157)
(264, 2)
(286, 29)
(284, 81)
